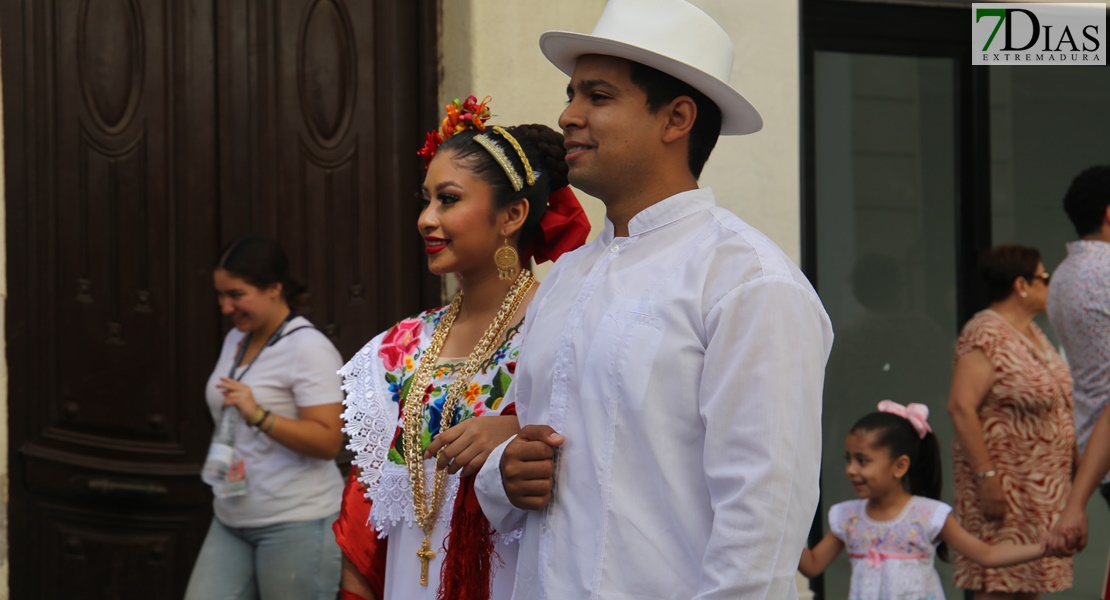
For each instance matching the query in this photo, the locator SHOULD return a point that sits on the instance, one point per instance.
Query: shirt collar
(665, 212)
(1088, 246)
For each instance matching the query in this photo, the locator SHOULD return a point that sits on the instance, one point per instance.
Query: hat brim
(738, 116)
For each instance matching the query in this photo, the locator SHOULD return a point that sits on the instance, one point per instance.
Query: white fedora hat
(672, 36)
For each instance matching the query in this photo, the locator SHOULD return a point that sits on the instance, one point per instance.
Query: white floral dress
(892, 560)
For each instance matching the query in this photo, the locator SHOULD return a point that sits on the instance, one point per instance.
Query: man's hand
(528, 467)
(1070, 531)
(466, 446)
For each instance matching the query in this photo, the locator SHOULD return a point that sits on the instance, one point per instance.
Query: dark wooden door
(140, 135)
(319, 150)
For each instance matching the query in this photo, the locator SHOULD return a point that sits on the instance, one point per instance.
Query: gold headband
(502, 159)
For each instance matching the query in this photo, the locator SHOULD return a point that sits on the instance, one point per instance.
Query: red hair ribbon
(563, 227)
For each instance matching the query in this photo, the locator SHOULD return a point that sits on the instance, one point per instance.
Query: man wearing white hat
(670, 385)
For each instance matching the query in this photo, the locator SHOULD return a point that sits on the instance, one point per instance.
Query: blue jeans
(286, 561)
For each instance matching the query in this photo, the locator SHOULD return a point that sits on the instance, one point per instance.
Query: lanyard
(274, 337)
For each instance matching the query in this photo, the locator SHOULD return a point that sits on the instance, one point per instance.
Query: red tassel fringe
(467, 571)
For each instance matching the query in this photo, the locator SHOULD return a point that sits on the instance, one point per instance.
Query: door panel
(140, 136)
(109, 302)
(337, 92)
(109, 554)
(110, 319)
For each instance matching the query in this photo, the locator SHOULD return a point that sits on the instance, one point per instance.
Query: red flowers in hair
(432, 140)
(469, 114)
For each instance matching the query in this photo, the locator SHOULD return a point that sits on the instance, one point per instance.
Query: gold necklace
(426, 509)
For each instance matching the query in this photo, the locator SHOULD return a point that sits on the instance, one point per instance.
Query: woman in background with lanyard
(278, 373)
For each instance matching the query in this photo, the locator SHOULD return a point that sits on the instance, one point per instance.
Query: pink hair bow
(916, 414)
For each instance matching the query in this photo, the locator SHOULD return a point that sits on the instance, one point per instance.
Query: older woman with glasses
(1011, 407)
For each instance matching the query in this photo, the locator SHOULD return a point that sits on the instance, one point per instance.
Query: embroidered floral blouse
(377, 380)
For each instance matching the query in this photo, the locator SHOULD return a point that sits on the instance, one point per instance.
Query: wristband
(260, 415)
(273, 419)
(986, 474)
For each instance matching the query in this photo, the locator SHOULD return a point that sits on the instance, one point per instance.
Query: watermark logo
(1038, 34)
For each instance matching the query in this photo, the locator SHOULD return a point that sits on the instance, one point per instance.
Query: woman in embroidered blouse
(1015, 436)
(493, 198)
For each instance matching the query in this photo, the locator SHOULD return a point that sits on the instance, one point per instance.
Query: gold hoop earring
(507, 262)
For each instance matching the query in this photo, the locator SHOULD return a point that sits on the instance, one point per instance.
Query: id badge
(236, 484)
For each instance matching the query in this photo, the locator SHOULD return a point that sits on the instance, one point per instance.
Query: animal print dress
(1029, 431)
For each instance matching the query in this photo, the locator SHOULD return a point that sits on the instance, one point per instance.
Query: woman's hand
(466, 446)
(239, 395)
(992, 499)
(972, 380)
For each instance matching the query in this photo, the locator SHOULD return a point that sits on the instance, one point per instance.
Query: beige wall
(758, 176)
(492, 47)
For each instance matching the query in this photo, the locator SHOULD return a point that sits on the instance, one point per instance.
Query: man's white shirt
(684, 366)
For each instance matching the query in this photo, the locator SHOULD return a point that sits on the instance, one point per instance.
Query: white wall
(492, 47)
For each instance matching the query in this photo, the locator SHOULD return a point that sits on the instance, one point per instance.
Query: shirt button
(614, 247)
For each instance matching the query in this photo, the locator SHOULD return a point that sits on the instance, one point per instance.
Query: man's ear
(681, 113)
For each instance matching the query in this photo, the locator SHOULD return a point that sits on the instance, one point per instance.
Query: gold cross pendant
(425, 554)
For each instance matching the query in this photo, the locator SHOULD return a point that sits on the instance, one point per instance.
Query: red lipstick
(434, 244)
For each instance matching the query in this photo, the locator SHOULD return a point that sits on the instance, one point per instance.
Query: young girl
(891, 532)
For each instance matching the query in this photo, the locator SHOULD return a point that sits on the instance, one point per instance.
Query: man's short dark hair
(1087, 199)
(661, 89)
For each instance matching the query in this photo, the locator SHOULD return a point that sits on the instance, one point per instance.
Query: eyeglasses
(1045, 277)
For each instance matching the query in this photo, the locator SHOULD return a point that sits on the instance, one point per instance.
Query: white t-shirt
(300, 369)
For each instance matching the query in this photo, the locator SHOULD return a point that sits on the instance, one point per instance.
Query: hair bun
(552, 153)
